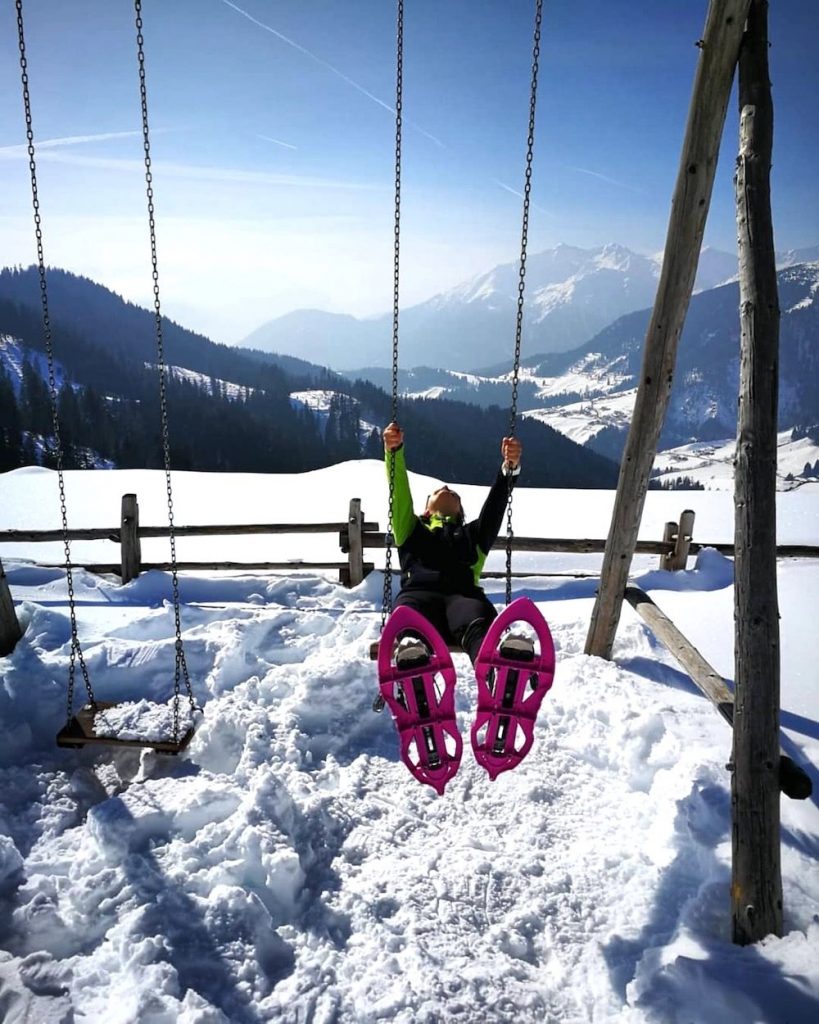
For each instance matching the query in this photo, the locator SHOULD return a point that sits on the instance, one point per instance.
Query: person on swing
(441, 555)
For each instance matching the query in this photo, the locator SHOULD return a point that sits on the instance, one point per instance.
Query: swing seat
(80, 730)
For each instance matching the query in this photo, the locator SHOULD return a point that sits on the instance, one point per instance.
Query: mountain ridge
(571, 295)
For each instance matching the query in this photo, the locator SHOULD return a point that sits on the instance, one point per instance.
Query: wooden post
(669, 533)
(355, 540)
(756, 890)
(10, 631)
(692, 197)
(678, 558)
(130, 547)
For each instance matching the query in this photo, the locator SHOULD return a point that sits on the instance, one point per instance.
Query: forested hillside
(229, 409)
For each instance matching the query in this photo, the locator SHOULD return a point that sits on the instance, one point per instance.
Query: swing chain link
(76, 656)
(524, 241)
(181, 667)
(386, 606)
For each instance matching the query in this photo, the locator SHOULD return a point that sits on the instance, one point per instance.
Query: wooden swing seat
(80, 730)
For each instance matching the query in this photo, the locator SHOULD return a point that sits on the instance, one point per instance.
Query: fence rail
(355, 535)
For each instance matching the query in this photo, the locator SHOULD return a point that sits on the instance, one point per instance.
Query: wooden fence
(355, 536)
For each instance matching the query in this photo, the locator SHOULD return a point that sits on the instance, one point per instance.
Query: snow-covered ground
(711, 463)
(211, 385)
(582, 421)
(288, 868)
(319, 401)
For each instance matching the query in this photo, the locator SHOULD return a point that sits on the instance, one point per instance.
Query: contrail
(603, 177)
(193, 172)
(68, 140)
(278, 142)
(514, 191)
(308, 53)
(328, 66)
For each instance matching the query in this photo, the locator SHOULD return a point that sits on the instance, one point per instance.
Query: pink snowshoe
(417, 680)
(513, 678)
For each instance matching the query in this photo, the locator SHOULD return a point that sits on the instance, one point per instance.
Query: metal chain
(386, 606)
(181, 668)
(76, 656)
(524, 241)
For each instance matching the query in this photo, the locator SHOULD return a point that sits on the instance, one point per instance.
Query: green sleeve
(403, 516)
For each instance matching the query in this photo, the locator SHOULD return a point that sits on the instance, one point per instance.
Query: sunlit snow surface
(288, 868)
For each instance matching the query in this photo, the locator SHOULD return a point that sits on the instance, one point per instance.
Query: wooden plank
(47, 536)
(756, 889)
(10, 631)
(686, 227)
(782, 551)
(130, 547)
(642, 547)
(372, 538)
(792, 780)
(152, 532)
(570, 545)
(102, 568)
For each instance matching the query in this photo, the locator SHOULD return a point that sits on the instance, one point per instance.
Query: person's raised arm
(491, 517)
(403, 516)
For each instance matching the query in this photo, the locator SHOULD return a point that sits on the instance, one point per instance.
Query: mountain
(588, 394)
(228, 409)
(571, 294)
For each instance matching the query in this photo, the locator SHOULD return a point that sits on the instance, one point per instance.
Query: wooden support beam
(707, 679)
(792, 780)
(756, 889)
(692, 196)
(130, 547)
(10, 631)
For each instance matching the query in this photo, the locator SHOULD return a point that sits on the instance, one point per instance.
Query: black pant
(459, 618)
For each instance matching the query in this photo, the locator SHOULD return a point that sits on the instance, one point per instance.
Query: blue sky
(272, 141)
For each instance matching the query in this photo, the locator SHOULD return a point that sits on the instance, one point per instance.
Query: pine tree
(35, 401)
(10, 425)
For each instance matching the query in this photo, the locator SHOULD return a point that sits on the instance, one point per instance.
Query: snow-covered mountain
(588, 394)
(599, 381)
(571, 294)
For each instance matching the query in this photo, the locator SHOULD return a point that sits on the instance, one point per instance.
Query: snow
(582, 421)
(711, 463)
(286, 867)
(13, 355)
(317, 399)
(211, 385)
